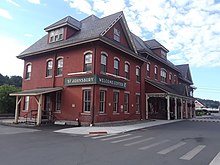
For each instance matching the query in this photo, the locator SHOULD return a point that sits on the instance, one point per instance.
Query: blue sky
(190, 29)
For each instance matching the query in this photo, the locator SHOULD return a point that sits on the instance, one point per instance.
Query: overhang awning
(36, 92)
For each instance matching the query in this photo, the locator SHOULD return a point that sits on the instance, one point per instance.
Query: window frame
(126, 102)
(26, 103)
(102, 101)
(117, 35)
(59, 69)
(138, 74)
(115, 102)
(116, 68)
(58, 101)
(104, 63)
(148, 69)
(163, 75)
(49, 68)
(28, 71)
(137, 107)
(87, 100)
(127, 70)
(87, 65)
(156, 72)
(56, 35)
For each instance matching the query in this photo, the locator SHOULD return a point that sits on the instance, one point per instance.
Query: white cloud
(13, 3)
(34, 1)
(28, 35)
(188, 28)
(5, 14)
(9, 64)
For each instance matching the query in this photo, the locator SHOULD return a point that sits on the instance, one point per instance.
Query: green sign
(95, 79)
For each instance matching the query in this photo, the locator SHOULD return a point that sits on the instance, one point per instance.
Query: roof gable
(154, 44)
(185, 72)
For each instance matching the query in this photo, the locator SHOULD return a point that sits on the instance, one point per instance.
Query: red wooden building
(95, 70)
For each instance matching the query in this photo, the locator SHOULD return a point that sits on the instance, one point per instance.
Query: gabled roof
(153, 44)
(185, 72)
(91, 29)
(70, 21)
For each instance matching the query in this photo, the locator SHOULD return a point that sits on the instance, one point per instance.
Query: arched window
(103, 63)
(88, 62)
(138, 74)
(127, 70)
(116, 66)
(28, 71)
(59, 66)
(49, 68)
(148, 69)
(156, 72)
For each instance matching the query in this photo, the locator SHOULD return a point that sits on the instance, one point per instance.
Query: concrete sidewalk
(114, 129)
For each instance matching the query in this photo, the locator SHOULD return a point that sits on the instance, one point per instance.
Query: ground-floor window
(115, 101)
(26, 103)
(86, 100)
(58, 101)
(137, 103)
(126, 103)
(102, 101)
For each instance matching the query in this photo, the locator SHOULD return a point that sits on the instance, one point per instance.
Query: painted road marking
(115, 137)
(122, 140)
(171, 148)
(153, 145)
(103, 136)
(216, 160)
(91, 135)
(140, 141)
(189, 155)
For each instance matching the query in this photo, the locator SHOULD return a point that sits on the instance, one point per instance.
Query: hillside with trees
(209, 103)
(8, 85)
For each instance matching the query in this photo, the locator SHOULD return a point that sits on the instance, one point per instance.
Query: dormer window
(116, 35)
(163, 54)
(56, 35)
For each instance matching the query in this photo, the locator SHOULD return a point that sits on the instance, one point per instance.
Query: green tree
(7, 103)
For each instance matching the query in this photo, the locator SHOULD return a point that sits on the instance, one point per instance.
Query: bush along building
(95, 70)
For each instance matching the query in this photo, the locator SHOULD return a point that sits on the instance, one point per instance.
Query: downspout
(54, 71)
(93, 92)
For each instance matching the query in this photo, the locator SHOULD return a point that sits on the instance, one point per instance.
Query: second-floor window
(127, 71)
(28, 71)
(171, 77)
(88, 62)
(163, 75)
(49, 68)
(156, 73)
(59, 66)
(138, 74)
(116, 67)
(103, 63)
(148, 69)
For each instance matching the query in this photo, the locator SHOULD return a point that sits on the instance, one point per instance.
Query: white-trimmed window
(86, 100)
(126, 103)
(102, 101)
(156, 72)
(56, 35)
(137, 103)
(88, 62)
(115, 101)
(116, 66)
(49, 68)
(26, 103)
(148, 69)
(58, 101)
(138, 74)
(127, 71)
(103, 63)
(174, 79)
(116, 35)
(163, 54)
(59, 66)
(28, 71)
(163, 75)
(170, 77)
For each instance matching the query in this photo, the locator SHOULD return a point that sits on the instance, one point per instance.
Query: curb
(205, 120)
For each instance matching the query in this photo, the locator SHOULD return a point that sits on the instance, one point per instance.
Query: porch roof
(36, 92)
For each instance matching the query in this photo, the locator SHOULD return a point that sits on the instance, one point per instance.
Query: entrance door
(47, 110)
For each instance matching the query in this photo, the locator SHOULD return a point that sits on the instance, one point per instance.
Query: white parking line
(171, 148)
(115, 137)
(103, 136)
(122, 140)
(140, 141)
(153, 145)
(189, 155)
(216, 160)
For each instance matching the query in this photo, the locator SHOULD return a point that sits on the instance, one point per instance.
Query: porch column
(168, 107)
(16, 109)
(147, 106)
(186, 107)
(181, 108)
(39, 111)
(175, 109)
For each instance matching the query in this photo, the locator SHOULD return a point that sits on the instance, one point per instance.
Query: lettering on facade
(85, 80)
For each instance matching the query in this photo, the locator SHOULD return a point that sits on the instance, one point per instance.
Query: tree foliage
(7, 103)
(13, 80)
